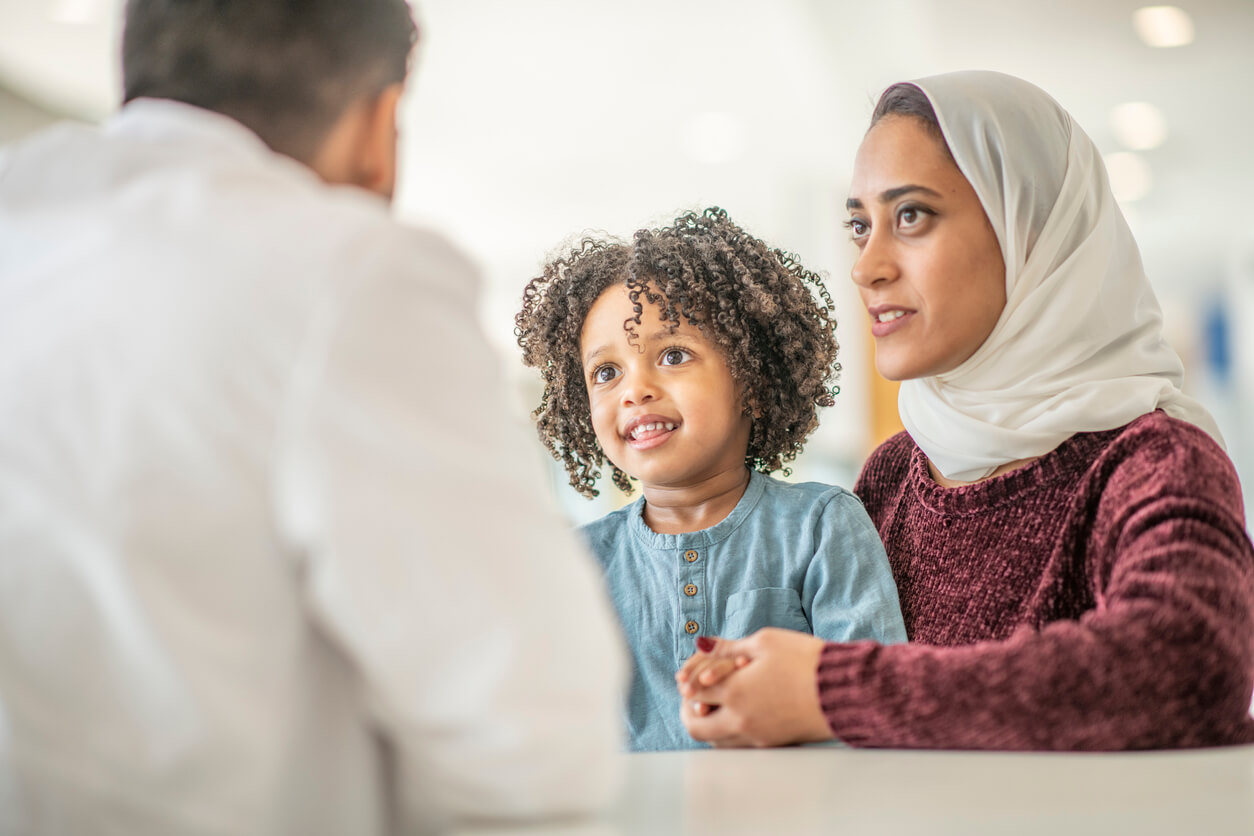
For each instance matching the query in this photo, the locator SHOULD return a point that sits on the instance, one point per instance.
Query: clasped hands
(757, 691)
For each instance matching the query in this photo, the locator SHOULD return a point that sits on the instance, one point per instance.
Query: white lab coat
(274, 558)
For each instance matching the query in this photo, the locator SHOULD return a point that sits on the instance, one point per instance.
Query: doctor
(271, 556)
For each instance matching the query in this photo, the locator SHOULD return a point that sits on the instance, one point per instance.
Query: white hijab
(1079, 345)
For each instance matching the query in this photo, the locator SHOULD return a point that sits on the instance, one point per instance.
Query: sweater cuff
(844, 692)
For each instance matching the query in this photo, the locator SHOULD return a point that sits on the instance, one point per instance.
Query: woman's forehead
(898, 151)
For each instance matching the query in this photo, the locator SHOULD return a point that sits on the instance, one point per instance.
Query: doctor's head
(317, 80)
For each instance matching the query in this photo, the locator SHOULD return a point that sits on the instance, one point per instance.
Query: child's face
(677, 382)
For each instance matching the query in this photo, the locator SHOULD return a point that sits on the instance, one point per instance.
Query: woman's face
(929, 267)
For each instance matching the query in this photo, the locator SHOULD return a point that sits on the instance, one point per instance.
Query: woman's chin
(897, 366)
(893, 368)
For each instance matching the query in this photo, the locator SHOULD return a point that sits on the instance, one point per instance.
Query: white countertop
(885, 792)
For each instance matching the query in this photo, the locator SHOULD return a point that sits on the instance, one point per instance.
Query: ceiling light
(1138, 125)
(1129, 175)
(76, 12)
(1163, 25)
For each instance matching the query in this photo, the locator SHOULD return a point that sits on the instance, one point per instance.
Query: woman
(1065, 529)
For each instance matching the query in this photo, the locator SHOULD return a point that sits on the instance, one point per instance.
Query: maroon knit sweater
(1102, 597)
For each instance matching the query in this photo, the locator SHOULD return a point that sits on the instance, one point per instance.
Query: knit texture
(1101, 597)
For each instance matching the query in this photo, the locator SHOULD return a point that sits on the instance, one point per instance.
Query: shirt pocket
(752, 609)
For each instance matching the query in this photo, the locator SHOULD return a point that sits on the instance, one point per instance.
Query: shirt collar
(706, 536)
(166, 119)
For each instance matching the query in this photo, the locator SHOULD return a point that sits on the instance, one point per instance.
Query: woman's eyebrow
(889, 195)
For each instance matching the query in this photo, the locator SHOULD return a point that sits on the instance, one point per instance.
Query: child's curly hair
(754, 302)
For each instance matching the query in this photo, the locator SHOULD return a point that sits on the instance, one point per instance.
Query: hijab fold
(1079, 345)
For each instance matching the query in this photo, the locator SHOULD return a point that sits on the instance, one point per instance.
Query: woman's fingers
(704, 718)
(712, 723)
(708, 672)
(702, 709)
(709, 647)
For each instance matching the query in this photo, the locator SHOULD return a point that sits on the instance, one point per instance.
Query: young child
(693, 360)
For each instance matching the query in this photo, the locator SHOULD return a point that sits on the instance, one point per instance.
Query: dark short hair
(287, 69)
(770, 317)
(906, 99)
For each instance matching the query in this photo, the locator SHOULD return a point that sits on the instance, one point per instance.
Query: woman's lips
(884, 328)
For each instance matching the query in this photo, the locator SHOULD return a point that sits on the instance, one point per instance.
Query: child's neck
(678, 510)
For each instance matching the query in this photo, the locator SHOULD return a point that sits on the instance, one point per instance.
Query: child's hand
(706, 668)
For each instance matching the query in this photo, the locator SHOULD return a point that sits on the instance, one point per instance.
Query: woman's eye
(910, 216)
(857, 228)
(604, 374)
(674, 356)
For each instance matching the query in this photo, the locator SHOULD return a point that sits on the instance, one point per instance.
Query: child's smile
(649, 431)
(664, 405)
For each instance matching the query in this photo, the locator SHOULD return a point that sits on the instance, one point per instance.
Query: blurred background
(528, 123)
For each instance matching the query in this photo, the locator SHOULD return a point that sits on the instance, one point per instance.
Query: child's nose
(640, 389)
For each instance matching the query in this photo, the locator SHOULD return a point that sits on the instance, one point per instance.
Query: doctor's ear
(379, 150)
(361, 148)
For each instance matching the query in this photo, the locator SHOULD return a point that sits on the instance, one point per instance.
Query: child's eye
(604, 374)
(674, 356)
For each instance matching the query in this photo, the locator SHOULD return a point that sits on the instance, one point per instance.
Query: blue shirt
(799, 556)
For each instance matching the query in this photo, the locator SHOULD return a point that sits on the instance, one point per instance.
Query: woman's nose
(876, 262)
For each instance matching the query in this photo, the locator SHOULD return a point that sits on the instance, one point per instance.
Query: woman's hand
(771, 700)
(705, 669)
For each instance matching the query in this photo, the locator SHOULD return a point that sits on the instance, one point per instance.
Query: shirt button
(690, 590)
(690, 556)
(692, 627)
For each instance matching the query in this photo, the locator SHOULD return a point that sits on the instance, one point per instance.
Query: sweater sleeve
(1164, 659)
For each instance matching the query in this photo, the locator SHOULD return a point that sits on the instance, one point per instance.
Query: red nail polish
(705, 644)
